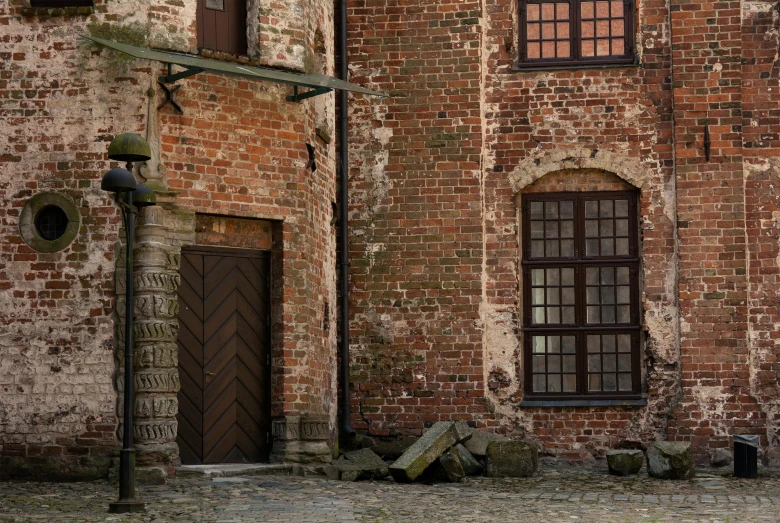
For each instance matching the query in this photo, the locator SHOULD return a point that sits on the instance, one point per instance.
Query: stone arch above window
(532, 169)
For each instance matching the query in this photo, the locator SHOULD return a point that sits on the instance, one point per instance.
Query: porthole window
(49, 222)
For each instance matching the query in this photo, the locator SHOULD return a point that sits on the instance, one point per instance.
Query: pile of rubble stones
(450, 451)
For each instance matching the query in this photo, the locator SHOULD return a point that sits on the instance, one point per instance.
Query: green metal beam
(298, 97)
(196, 64)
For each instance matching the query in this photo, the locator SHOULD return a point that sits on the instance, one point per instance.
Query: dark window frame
(629, 32)
(580, 328)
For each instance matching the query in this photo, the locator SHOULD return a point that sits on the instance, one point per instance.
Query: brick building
(482, 292)
(563, 227)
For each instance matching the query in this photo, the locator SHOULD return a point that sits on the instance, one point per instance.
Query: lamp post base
(123, 507)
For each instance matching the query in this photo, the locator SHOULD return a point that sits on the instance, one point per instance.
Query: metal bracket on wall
(707, 142)
(173, 78)
(169, 97)
(298, 97)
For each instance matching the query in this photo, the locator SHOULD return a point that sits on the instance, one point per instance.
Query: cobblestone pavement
(552, 496)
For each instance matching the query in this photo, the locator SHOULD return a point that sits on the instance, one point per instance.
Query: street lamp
(128, 148)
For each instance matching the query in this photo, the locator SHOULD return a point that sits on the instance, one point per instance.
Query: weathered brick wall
(238, 150)
(761, 156)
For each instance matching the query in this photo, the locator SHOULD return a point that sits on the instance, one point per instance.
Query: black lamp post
(128, 148)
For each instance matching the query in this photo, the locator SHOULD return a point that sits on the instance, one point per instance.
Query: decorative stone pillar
(156, 381)
(301, 439)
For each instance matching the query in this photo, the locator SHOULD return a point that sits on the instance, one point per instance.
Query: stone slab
(233, 469)
(450, 462)
(518, 459)
(625, 462)
(471, 466)
(371, 464)
(424, 451)
(670, 460)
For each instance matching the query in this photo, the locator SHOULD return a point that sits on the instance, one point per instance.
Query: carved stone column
(156, 280)
(301, 439)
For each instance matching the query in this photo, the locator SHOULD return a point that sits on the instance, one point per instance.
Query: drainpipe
(346, 409)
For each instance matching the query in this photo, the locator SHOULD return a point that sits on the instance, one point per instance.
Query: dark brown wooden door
(224, 356)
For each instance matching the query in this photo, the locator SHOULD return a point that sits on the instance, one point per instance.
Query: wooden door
(224, 356)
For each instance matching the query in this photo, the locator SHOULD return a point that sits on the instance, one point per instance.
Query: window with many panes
(581, 295)
(555, 33)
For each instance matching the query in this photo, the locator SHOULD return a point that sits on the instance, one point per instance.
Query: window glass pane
(567, 209)
(607, 247)
(621, 227)
(592, 247)
(592, 276)
(548, 11)
(617, 27)
(532, 11)
(537, 210)
(624, 294)
(537, 277)
(570, 363)
(624, 342)
(605, 228)
(624, 382)
(538, 343)
(553, 364)
(540, 383)
(567, 248)
(608, 343)
(588, 48)
(607, 275)
(538, 316)
(605, 208)
(568, 344)
(624, 362)
(594, 363)
(553, 295)
(602, 28)
(570, 383)
(602, 47)
(610, 362)
(534, 50)
(586, 9)
(537, 229)
(563, 30)
(608, 314)
(610, 383)
(564, 49)
(622, 275)
(617, 8)
(567, 229)
(537, 249)
(602, 9)
(553, 344)
(554, 383)
(548, 49)
(594, 343)
(607, 295)
(553, 276)
(553, 315)
(567, 296)
(624, 314)
(552, 249)
(537, 297)
(621, 208)
(551, 229)
(621, 246)
(568, 315)
(587, 30)
(532, 31)
(562, 11)
(592, 295)
(618, 46)
(548, 31)
(539, 364)
(593, 315)
(591, 228)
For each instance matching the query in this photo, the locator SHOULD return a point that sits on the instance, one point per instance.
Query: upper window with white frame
(560, 33)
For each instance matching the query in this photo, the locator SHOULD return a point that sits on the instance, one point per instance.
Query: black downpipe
(346, 409)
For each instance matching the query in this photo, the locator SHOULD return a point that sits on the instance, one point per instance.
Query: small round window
(49, 222)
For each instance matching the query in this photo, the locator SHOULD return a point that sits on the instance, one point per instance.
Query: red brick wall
(435, 250)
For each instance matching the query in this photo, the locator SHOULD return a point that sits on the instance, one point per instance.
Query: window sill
(639, 402)
(83, 10)
(571, 66)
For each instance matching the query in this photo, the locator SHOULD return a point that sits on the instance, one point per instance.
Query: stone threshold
(234, 469)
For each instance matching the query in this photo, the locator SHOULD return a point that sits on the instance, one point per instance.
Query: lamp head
(144, 196)
(118, 180)
(129, 147)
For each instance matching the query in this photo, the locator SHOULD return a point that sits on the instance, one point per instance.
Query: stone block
(450, 462)
(424, 451)
(625, 462)
(372, 465)
(471, 466)
(517, 459)
(478, 442)
(670, 460)
(722, 458)
(462, 431)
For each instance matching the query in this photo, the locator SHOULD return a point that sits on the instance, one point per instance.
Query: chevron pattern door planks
(224, 356)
